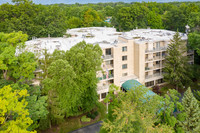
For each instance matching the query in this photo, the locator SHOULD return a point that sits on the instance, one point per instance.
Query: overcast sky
(88, 1)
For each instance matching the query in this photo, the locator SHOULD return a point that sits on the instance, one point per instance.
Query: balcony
(153, 76)
(157, 57)
(163, 56)
(108, 66)
(107, 57)
(156, 66)
(148, 68)
(156, 49)
(147, 59)
(191, 58)
(103, 87)
(105, 77)
(190, 51)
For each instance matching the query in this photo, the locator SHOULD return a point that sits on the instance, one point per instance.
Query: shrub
(96, 113)
(85, 119)
(92, 115)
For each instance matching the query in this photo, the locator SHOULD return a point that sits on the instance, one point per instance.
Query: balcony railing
(156, 49)
(106, 77)
(108, 66)
(157, 57)
(147, 59)
(157, 66)
(148, 68)
(190, 51)
(106, 57)
(152, 76)
(191, 58)
(103, 87)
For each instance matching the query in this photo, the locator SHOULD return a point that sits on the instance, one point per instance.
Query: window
(151, 83)
(159, 81)
(157, 44)
(103, 95)
(124, 48)
(124, 74)
(108, 51)
(124, 58)
(124, 66)
(157, 54)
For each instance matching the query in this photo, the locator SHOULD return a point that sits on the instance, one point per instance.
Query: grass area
(74, 123)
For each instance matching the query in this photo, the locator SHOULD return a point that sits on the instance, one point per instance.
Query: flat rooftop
(106, 37)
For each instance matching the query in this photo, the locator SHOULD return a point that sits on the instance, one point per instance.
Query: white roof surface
(104, 36)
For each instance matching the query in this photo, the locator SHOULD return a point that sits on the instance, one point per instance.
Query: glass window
(103, 95)
(151, 83)
(108, 51)
(124, 74)
(124, 48)
(124, 58)
(124, 66)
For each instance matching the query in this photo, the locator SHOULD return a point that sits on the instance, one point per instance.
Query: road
(94, 128)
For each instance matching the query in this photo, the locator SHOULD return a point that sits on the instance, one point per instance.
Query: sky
(89, 1)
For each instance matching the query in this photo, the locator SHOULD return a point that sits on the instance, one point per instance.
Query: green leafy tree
(23, 71)
(134, 112)
(191, 108)
(85, 59)
(37, 106)
(176, 66)
(90, 16)
(62, 89)
(13, 113)
(74, 22)
(154, 20)
(171, 110)
(44, 63)
(175, 19)
(8, 59)
(194, 41)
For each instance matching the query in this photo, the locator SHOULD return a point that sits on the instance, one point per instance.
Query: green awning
(131, 84)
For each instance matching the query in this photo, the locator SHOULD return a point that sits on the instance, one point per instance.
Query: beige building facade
(138, 54)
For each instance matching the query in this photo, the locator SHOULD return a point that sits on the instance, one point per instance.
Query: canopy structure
(132, 84)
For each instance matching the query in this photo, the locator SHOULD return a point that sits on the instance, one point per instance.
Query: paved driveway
(94, 128)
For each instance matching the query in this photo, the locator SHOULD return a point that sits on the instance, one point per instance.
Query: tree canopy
(13, 114)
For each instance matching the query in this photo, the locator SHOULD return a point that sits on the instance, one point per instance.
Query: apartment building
(138, 54)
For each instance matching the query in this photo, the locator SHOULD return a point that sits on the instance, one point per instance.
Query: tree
(191, 108)
(175, 19)
(134, 111)
(37, 106)
(154, 20)
(13, 115)
(194, 41)
(197, 94)
(9, 43)
(74, 22)
(90, 16)
(194, 21)
(85, 59)
(62, 89)
(16, 63)
(24, 69)
(171, 110)
(176, 66)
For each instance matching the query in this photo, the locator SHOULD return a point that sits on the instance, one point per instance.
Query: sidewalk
(94, 128)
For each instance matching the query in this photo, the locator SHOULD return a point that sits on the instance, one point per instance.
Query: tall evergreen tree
(176, 66)
(192, 122)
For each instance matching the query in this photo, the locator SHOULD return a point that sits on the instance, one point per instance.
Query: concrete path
(94, 128)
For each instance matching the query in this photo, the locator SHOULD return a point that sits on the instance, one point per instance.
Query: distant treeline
(41, 20)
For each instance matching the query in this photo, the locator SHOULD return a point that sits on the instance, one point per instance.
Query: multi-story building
(138, 54)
